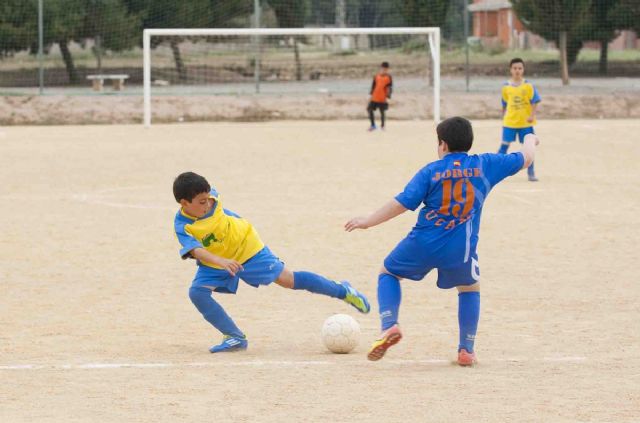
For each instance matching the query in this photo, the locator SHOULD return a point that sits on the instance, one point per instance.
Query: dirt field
(96, 324)
(82, 110)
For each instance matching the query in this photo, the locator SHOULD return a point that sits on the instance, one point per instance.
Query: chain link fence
(80, 38)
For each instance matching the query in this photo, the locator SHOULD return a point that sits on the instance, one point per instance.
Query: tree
(64, 22)
(292, 14)
(425, 12)
(78, 20)
(559, 21)
(18, 29)
(627, 14)
(173, 14)
(606, 19)
(111, 27)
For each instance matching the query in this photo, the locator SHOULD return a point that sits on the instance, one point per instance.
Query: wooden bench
(97, 81)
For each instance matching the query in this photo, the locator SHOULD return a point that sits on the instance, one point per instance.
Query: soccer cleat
(389, 338)
(355, 298)
(532, 178)
(230, 344)
(466, 358)
(372, 128)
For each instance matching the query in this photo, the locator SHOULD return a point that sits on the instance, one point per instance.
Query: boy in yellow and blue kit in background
(519, 103)
(228, 248)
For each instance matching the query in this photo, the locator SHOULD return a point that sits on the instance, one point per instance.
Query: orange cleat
(389, 338)
(466, 358)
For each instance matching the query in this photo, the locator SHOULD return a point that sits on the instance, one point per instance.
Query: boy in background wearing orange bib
(381, 89)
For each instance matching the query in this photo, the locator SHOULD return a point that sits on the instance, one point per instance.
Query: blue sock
(317, 284)
(468, 316)
(213, 312)
(530, 170)
(389, 297)
(503, 148)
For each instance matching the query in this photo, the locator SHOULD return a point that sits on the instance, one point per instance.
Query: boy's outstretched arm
(390, 210)
(529, 149)
(230, 266)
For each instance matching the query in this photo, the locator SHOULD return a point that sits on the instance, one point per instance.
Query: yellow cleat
(389, 338)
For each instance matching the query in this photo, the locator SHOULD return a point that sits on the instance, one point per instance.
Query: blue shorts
(410, 260)
(509, 134)
(261, 269)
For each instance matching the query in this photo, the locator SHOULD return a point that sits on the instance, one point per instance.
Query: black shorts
(373, 106)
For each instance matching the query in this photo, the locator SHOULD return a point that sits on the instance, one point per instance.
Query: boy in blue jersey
(520, 101)
(228, 248)
(452, 191)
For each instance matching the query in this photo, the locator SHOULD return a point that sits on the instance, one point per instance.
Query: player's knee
(469, 288)
(199, 295)
(286, 279)
(384, 271)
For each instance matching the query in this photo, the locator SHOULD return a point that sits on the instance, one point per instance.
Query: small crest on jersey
(456, 163)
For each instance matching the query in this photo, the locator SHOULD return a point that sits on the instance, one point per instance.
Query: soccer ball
(340, 333)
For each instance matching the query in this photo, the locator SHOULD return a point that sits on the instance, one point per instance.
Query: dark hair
(516, 60)
(457, 133)
(188, 184)
(385, 64)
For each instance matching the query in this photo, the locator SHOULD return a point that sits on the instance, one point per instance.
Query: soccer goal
(291, 62)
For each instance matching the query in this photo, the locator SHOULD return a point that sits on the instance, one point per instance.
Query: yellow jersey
(220, 231)
(517, 100)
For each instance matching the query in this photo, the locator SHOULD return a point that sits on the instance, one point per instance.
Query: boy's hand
(531, 118)
(229, 265)
(356, 223)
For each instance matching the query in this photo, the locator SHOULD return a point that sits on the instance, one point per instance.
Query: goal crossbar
(432, 32)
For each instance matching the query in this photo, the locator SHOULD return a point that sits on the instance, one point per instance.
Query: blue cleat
(372, 128)
(230, 344)
(355, 298)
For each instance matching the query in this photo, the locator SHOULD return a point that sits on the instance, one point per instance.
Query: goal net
(304, 64)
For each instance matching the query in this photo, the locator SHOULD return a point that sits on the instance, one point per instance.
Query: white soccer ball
(340, 333)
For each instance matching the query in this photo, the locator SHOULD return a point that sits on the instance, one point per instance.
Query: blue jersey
(452, 191)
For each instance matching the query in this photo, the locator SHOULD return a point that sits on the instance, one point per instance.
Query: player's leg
(318, 284)
(410, 259)
(370, 108)
(213, 313)
(205, 282)
(508, 136)
(468, 317)
(265, 267)
(466, 279)
(383, 109)
(531, 173)
(389, 298)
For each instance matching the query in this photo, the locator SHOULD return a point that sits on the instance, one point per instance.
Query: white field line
(269, 363)
(98, 202)
(519, 190)
(96, 198)
(120, 189)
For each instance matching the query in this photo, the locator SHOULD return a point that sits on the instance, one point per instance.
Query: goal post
(432, 34)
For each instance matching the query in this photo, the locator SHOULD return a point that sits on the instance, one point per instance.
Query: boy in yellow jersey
(228, 248)
(519, 103)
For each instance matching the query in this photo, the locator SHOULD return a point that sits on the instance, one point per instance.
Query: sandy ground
(316, 100)
(55, 110)
(96, 325)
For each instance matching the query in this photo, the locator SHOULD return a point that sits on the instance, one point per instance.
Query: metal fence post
(256, 59)
(40, 48)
